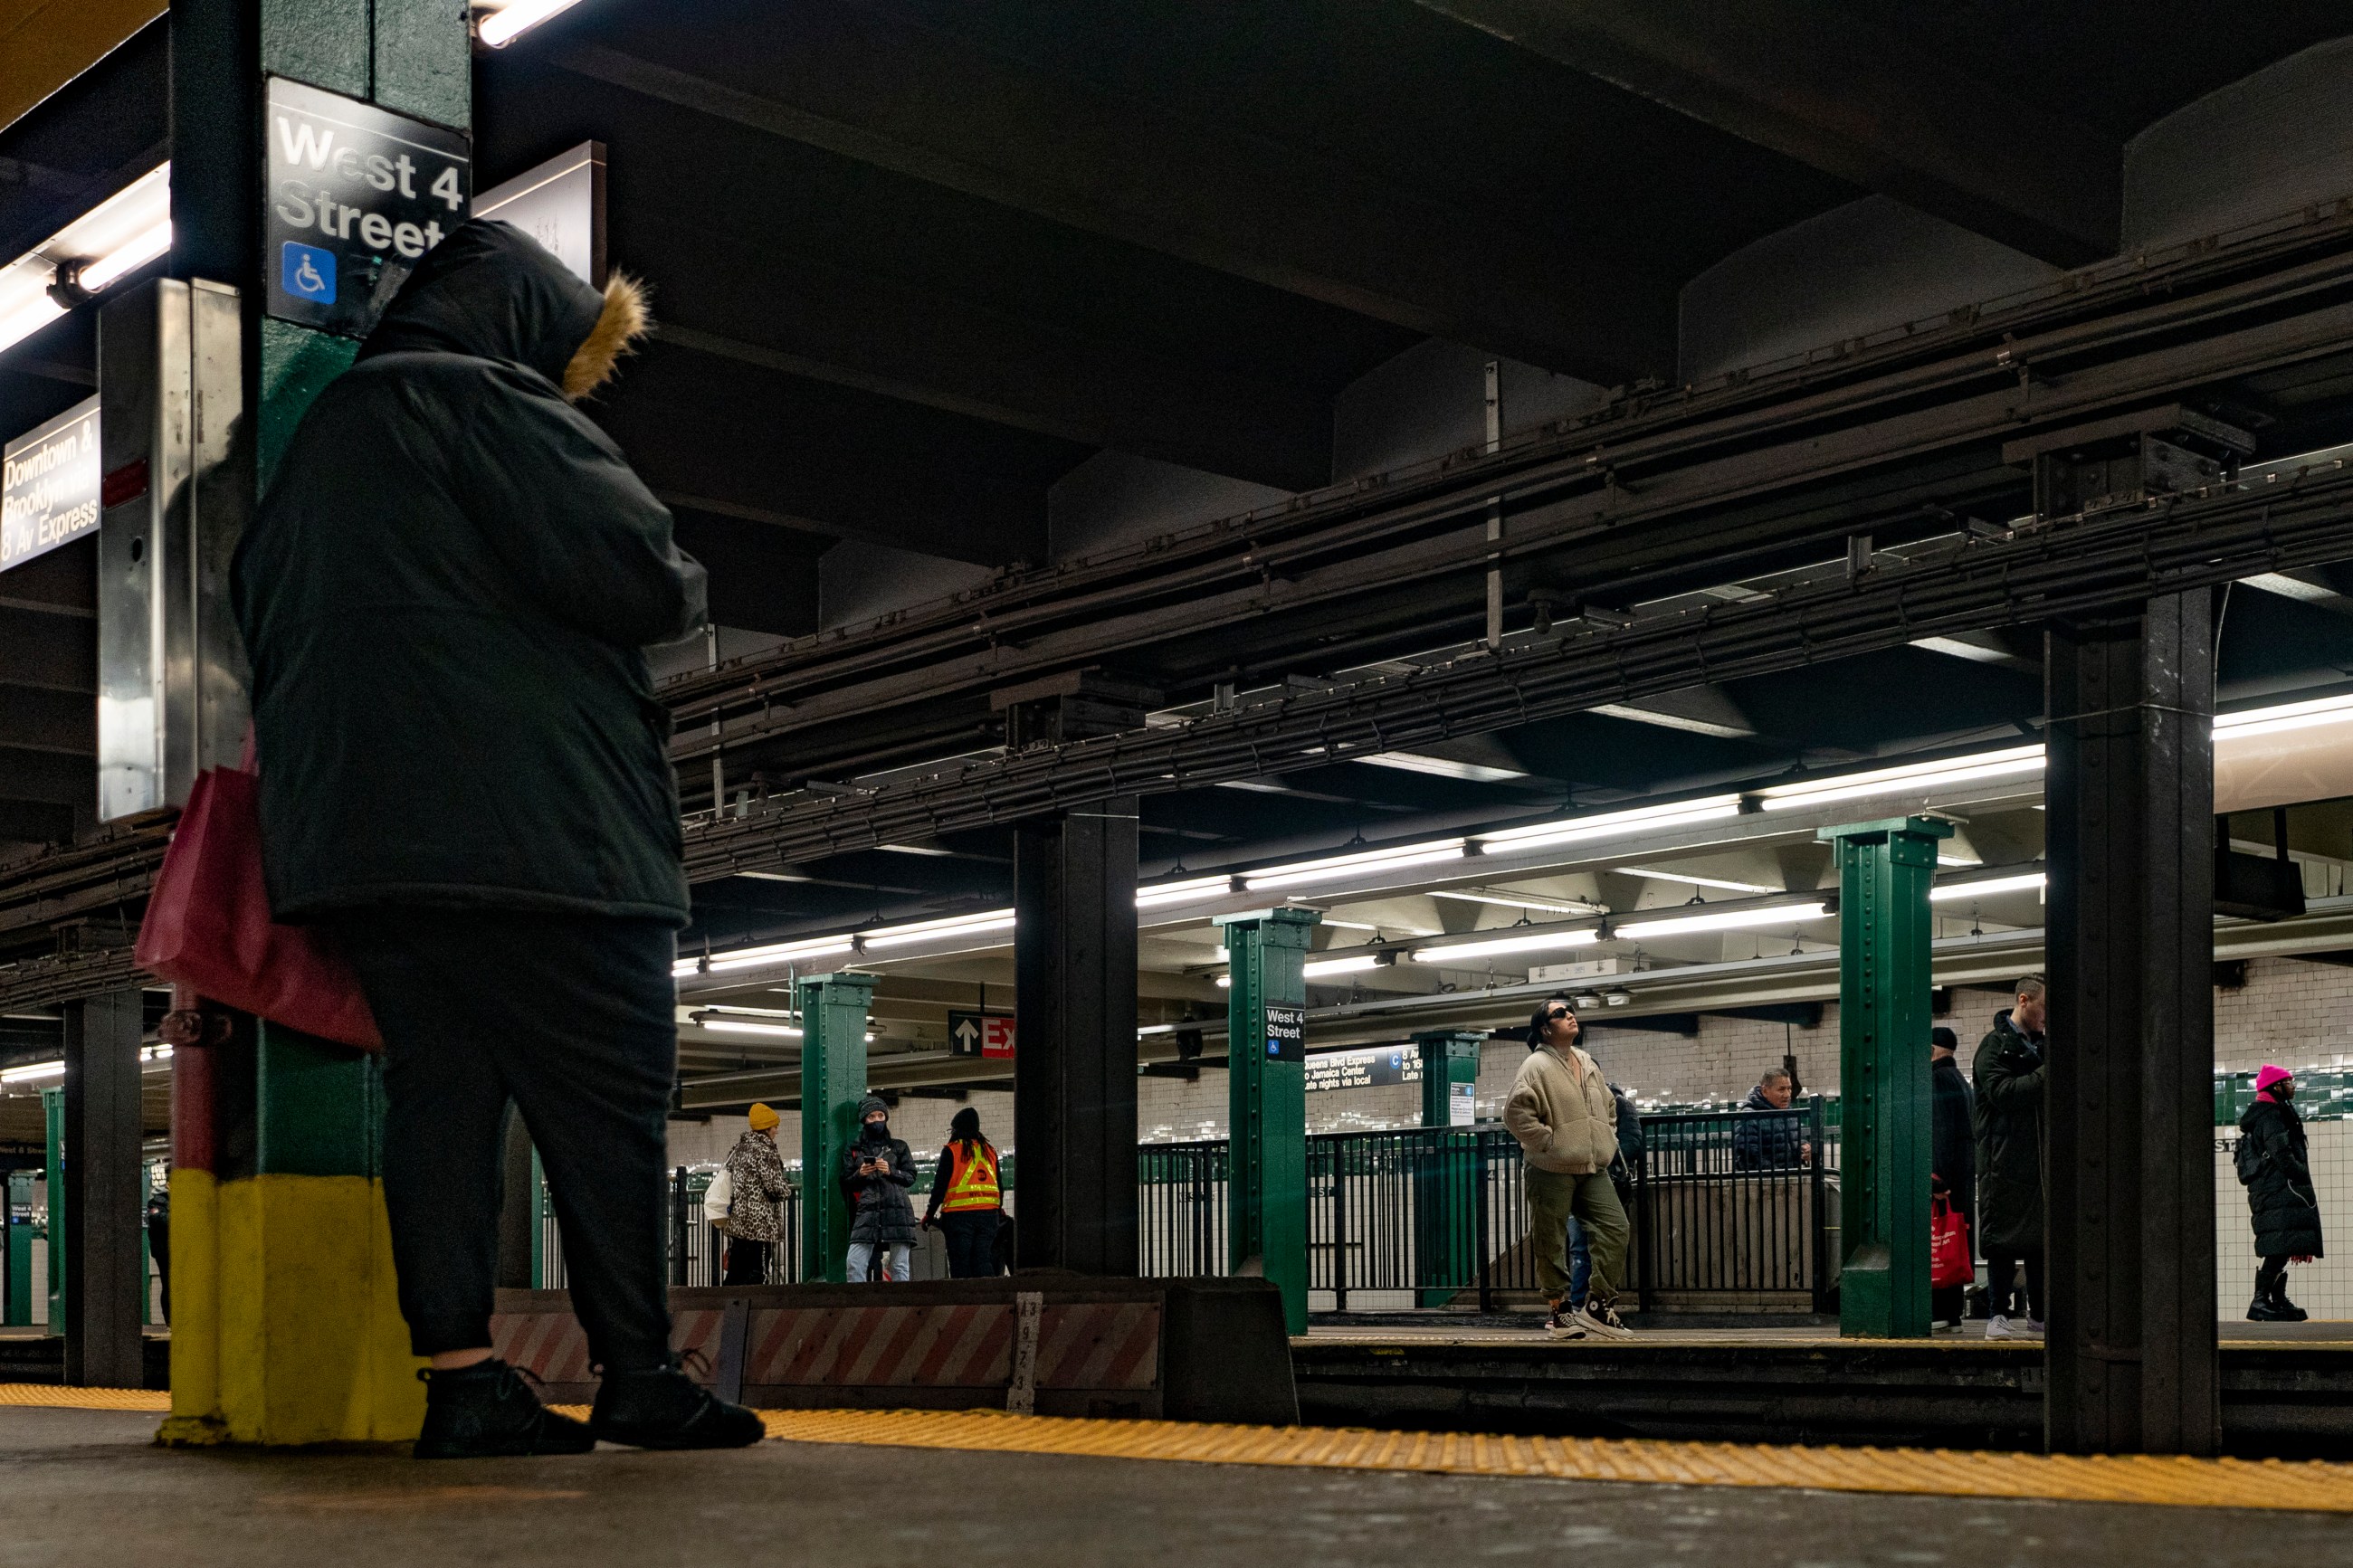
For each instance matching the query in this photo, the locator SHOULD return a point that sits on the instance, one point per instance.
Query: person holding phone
(876, 1172)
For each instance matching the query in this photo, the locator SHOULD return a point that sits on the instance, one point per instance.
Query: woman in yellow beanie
(756, 1220)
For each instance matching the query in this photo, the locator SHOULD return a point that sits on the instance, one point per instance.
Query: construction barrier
(1050, 1345)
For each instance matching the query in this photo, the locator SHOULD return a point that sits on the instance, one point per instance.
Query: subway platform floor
(86, 1486)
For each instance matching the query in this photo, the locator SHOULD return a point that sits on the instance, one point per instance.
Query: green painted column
(833, 1081)
(1885, 869)
(1445, 1191)
(53, 1116)
(1267, 1062)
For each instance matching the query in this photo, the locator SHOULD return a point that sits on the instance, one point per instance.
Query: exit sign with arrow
(973, 1034)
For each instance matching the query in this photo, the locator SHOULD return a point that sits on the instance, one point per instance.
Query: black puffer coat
(444, 595)
(880, 1210)
(2011, 1073)
(1775, 1140)
(2282, 1199)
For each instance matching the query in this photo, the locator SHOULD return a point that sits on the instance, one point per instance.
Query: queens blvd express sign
(48, 485)
(356, 196)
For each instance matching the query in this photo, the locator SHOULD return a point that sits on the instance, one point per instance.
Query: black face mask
(878, 1131)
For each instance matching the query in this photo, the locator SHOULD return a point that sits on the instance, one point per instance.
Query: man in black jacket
(1775, 1142)
(2010, 1072)
(446, 595)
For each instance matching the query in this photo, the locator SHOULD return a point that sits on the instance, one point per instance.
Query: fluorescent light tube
(1602, 825)
(777, 953)
(1302, 872)
(926, 930)
(1696, 881)
(1323, 966)
(1190, 890)
(2019, 884)
(2284, 716)
(136, 252)
(32, 1071)
(503, 27)
(1912, 776)
(745, 1027)
(1537, 943)
(1724, 919)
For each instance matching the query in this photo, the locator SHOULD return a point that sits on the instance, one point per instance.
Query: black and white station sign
(357, 195)
(50, 485)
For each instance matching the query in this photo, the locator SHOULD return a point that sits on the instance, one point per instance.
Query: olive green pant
(1552, 1199)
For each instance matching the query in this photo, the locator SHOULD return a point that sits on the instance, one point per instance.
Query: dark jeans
(972, 1243)
(570, 1017)
(747, 1261)
(2033, 1302)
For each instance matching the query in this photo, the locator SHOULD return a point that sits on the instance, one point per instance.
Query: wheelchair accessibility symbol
(308, 273)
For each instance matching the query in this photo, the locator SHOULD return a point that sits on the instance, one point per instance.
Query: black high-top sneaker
(664, 1408)
(485, 1411)
(1561, 1323)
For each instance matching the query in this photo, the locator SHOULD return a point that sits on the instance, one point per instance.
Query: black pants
(570, 1017)
(972, 1243)
(2272, 1275)
(2001, 1269)
(747, 1261)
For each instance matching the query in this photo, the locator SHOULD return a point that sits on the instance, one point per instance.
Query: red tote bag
(208, 924)
(1948, 1247)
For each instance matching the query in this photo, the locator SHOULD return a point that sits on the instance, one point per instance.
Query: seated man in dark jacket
(446, 595)
(876, 1172)
(1773, 1142)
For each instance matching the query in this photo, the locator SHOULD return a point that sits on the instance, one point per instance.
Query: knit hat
(869, 1105)
(761, 1117)
(1941, 1035)
(964, 1125)
(2269, 1075)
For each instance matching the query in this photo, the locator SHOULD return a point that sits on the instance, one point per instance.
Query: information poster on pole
(50, 485)
(356, 196)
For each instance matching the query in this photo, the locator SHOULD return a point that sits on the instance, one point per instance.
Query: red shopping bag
(208, 923)
(1950, 1263)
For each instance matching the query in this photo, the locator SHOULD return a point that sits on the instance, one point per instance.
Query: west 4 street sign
(980, 1034)
(357, 195)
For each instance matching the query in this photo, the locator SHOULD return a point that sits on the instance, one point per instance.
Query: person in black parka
(2281, 1198)
(446, 594)
(2009, 1074)
(876, 1172)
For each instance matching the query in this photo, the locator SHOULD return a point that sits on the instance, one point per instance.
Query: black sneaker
(1561, 1323)
(664, 1408)
(485, 1411)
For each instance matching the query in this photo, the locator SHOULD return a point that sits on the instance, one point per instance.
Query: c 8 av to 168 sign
(357, 195)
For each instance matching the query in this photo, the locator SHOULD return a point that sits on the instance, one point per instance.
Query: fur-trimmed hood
(491, 291)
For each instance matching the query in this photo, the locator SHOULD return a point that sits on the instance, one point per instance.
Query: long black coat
(880, 1208)
(2281, 1200)
(444, 595)
(1953, 1152)
(2010, 1072)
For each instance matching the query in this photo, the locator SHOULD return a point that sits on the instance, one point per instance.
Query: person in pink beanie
(2277, 1172)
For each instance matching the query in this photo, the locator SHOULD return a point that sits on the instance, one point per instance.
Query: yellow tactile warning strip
(48, 1395)
(1936, 1472)
(2131, 1479)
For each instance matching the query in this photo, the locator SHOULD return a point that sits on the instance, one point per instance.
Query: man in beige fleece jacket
(1567, 1122)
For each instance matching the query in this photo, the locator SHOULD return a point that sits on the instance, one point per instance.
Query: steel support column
(104, 1285)
(1885, 869)
(1075, 1070)
(1267, 1072)
(833, 1010)
(1446, 1238)
(2131, 1352)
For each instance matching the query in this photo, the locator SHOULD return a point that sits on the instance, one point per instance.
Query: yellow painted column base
(286, 1320)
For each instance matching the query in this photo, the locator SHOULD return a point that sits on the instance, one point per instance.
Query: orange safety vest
(972, 1181)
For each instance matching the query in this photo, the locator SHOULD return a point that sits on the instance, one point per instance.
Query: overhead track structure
(1897, 436)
